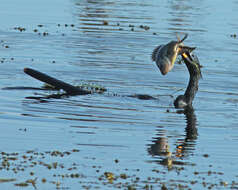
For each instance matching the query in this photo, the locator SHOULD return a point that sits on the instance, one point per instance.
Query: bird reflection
(184, 147)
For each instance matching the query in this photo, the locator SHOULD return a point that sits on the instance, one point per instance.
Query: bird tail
(155, 51)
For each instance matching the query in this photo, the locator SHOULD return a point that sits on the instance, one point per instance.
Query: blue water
(101, 42)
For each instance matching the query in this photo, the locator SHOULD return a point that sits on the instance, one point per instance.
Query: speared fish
(165, 55)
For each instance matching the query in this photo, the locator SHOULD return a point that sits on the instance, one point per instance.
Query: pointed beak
(192, 59)
(186, 56)
(184, 49)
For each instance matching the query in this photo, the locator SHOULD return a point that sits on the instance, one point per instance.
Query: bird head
(192, 62)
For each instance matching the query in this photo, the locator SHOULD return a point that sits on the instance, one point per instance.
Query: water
(102, 42)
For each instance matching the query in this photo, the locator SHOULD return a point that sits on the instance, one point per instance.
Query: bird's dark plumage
(192, 63)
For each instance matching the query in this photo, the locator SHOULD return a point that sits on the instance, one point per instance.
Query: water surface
(106, 43)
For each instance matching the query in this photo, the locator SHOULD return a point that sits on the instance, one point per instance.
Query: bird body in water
(165, 55)
(192, 63)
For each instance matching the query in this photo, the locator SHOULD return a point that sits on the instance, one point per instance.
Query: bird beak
(186, 55)
(192, 59)
(183, 49)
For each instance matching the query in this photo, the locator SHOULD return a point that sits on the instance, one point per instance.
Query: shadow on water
(184, 147)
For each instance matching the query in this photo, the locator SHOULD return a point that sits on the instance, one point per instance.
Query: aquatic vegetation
(92, 88)
(4, 180)
(110, 176)
(19, 28)
(105, 22)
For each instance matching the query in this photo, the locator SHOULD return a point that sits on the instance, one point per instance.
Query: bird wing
(155, 51)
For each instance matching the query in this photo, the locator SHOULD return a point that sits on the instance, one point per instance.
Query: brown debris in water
(4, 180)
(105, 22)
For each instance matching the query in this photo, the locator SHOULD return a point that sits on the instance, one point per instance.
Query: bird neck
(195, 75)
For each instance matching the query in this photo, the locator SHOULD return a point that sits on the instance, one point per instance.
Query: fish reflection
(184, 147)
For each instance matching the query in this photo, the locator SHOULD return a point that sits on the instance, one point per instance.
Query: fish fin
(184, 38)
(178, 38)
(153, 56)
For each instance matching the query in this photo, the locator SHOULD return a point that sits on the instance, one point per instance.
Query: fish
(165, 55)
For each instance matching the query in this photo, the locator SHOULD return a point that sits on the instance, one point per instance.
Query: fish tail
(155, 51)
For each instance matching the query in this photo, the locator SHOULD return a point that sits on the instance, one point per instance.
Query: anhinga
(192, 63)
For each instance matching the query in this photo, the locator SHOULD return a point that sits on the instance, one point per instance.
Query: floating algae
(4, 180)
(93, 88)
